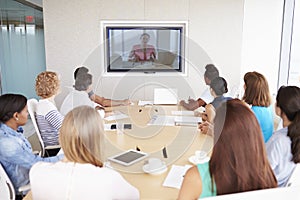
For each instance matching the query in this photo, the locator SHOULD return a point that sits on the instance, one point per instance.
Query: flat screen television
(147, 47)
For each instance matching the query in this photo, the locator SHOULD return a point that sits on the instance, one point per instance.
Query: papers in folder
(175, 176)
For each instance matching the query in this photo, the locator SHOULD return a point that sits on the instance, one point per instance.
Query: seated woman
(238, 162)
(258, 96)
(96, 98)
(143, 51)
(81, 174)
(283, 148)
(48, 118)
(15, 151)
(218, 87)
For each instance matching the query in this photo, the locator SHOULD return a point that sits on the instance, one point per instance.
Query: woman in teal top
(257, 95)
(238, 162)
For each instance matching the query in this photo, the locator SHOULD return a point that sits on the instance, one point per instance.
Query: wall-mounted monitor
(144, 46)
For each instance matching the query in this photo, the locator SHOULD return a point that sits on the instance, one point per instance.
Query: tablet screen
(128, 157)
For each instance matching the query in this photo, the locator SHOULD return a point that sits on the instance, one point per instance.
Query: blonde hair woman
(81, 174)
(48, 117)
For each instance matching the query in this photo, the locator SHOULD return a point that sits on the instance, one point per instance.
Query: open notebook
(165, 96)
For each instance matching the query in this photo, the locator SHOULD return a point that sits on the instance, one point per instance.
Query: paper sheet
(116, 116)
(175, 176)
(162, 120)
(145, 103)
(183, 112)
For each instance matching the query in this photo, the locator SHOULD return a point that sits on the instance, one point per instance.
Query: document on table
(116, 116)
(187, 120)
(175, 176)
(161, 120)
(183, 112)
(145, 103)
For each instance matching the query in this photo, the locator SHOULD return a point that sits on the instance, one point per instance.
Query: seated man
(79, 96)
(97, 99)
(211, 72)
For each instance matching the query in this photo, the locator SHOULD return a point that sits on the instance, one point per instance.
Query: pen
(164, 150)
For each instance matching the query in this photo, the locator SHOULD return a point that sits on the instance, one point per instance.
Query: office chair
(7, 190)
(294, 179)
(31, 104)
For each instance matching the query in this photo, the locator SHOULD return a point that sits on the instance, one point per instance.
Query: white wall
(261, 39)
(72, 33)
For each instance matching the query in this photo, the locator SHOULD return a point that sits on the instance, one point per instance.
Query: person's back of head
(239, 161)
(81, 135)
(211, 72)
(80, 70)
(288, 100)
(47, 84)
(219, 86)
(83, 81)
(10, 104)
(257, 91)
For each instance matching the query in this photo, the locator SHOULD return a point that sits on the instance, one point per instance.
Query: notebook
(165, 96)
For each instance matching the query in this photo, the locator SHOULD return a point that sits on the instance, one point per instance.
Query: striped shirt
(49, 121)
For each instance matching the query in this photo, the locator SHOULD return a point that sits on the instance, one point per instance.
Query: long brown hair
(257, 91)
(288, 100)
(239, 161)
(81, 136)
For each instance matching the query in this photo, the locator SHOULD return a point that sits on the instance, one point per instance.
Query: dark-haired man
(211, 72)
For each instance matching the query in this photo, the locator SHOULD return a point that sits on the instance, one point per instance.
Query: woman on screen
(81, 174)
(144, 51)
(238, 162)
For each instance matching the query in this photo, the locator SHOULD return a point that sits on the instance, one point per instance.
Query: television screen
(144, 48)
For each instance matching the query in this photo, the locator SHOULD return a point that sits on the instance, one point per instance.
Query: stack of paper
(175, 176)
(187, 120)
(183, 112)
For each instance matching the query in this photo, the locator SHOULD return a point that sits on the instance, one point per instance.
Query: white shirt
(280, 155)
(74, 99)
(68, 180)
(206, 96)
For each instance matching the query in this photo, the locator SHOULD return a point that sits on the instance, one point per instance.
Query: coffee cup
(155, 163)
(200, 155)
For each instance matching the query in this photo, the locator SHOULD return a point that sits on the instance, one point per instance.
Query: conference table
(179, 142)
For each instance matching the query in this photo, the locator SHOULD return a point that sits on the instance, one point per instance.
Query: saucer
(154, 171)
(193, 160)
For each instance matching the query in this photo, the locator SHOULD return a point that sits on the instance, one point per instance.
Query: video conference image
(144, 49)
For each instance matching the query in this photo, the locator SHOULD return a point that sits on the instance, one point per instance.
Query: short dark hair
(145, 34)
(219, 86)
(10, 104)
(83, 81)
(80, 70)
(211, 72)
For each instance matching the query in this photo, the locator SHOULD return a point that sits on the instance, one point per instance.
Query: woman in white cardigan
(81, 174)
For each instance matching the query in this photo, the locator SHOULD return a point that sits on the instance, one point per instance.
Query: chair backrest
(31, 104)
(273, 193)
(7, 190)
(294, 179)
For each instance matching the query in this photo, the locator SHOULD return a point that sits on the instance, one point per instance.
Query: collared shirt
(280, 156)
(74, 99)
(16, 156)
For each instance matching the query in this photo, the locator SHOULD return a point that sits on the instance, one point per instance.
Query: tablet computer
(128, 157)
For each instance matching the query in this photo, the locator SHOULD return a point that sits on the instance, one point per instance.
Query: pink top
(142, 54)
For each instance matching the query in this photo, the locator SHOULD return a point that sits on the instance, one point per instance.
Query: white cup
(200, 155)
(155, 163)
